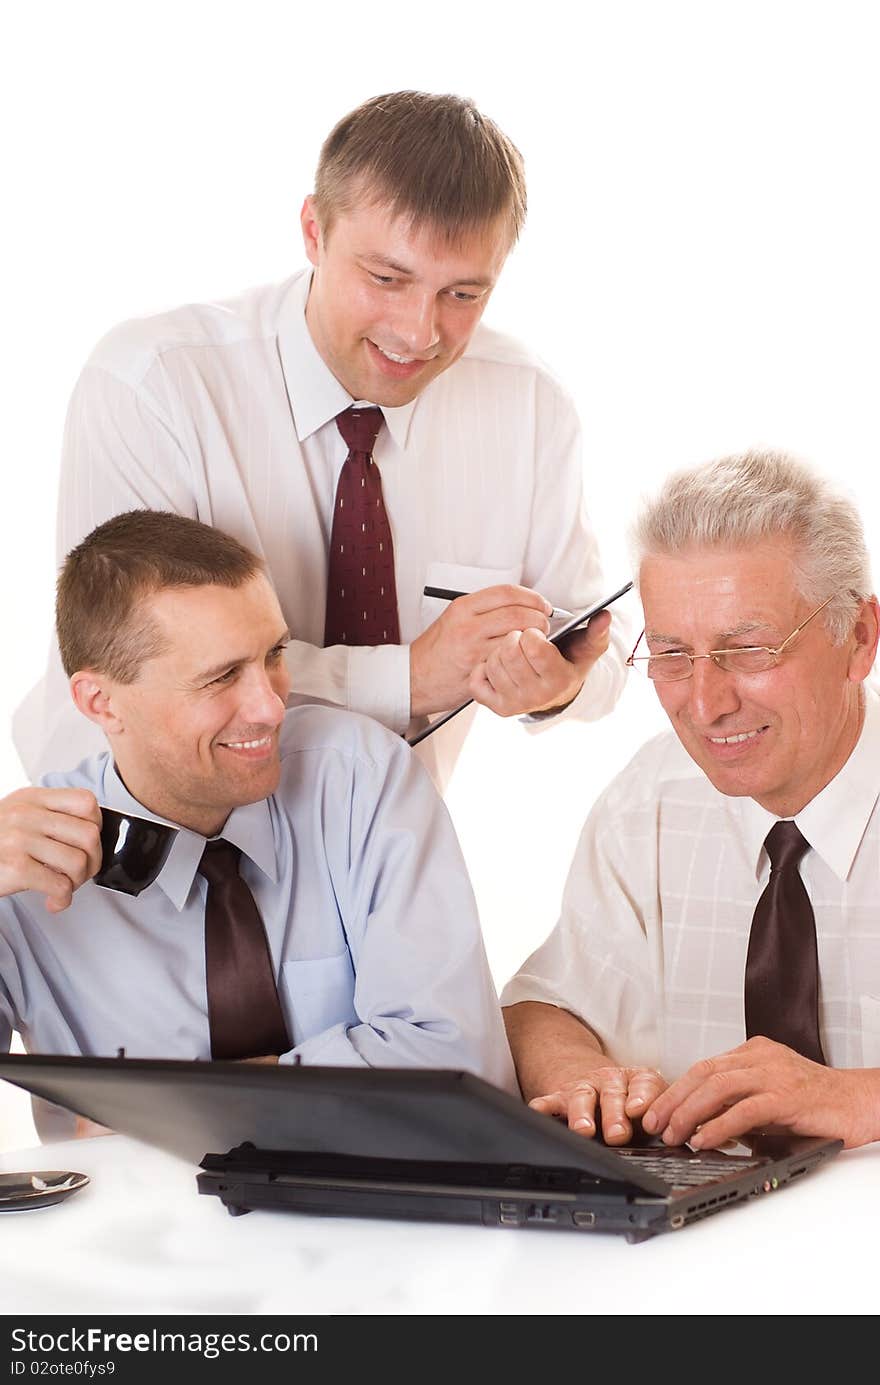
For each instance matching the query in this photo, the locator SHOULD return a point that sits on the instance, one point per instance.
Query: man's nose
(263, 699)
(415, 324)
(712, 692)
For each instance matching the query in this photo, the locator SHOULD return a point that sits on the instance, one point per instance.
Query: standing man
(358, 429)
(720, 931)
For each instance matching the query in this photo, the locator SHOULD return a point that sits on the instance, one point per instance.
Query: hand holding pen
(445, 655)
(521, 669)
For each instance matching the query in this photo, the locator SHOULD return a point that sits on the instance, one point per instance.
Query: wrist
(867, 1102)
(553, 709)
(431, 688)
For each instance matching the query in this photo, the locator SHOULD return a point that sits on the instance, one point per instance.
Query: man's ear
(866, 632)
(94, 696)
(311, 229)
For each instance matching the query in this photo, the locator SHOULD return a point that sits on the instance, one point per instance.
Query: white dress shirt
(226, 412)
(370, 917)
(650, 950)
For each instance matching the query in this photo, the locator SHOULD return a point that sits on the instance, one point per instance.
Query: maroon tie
(361, 592)
(782, 965)
(244, 1012)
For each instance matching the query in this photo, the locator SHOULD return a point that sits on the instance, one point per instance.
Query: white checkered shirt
(650, 949)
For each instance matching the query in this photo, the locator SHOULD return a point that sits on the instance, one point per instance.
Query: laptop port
(584, 1219)
(542, 1212)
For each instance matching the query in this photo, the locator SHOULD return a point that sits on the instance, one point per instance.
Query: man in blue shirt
(173, 640)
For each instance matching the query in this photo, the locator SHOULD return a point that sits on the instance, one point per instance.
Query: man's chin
(393, 395)
(397, 400)
(735, 781)
(251, 787)
(731, 787)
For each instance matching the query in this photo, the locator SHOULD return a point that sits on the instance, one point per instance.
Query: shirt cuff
(379, 683)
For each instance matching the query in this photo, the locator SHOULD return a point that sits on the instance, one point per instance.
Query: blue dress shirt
(369, 912)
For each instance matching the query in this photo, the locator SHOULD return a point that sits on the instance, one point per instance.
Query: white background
(699, 266)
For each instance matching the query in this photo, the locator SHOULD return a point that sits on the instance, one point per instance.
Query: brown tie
(361, 592)
(782, 965)
(244, 1012)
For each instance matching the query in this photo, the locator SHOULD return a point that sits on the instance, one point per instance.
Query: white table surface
(140, 1239)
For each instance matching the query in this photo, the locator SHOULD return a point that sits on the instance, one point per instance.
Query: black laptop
(412, 1143)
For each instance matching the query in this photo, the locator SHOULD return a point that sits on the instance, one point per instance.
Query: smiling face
(391, 307)
(780, 736)
(196, 734)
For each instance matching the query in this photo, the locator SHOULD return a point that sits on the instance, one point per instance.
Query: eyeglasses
(676, 665)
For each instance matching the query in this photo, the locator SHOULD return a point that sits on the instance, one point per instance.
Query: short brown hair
(431, 158)
(105, 579)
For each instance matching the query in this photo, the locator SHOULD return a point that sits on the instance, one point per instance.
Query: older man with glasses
(716, 967)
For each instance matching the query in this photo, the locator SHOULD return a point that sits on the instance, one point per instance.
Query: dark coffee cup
(133, 851)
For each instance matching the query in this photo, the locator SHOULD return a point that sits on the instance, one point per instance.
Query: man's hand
(445, 655)
(524, 672)
(763, 1084)
(620, 1094)
(50, 841)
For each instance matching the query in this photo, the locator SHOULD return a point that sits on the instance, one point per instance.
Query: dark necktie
(244, 1012)
(361, 592)
(782, 966)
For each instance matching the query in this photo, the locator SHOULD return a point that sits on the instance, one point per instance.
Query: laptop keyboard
(689, 1170)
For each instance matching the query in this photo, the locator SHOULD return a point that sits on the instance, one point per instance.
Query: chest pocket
(461, 579)
(320, 994)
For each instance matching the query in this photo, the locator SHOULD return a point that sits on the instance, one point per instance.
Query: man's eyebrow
(227, 664)
(744, 627)
(388, 263)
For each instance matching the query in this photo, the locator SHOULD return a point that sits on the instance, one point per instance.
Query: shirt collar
(315, 395)
(249, 828)
(833, 822)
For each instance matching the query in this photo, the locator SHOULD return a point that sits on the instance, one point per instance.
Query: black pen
(557, 613)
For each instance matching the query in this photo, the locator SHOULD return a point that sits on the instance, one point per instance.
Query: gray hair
(755, 496)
